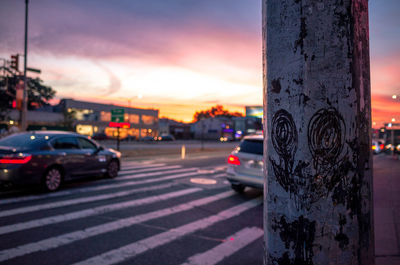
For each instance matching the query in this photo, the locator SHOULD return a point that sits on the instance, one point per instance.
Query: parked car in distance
(397, 149)
(377, 146)
(245, 164)
(49, 158)
(147, 139)
(130, 138)
(166, 137)
(100, 136)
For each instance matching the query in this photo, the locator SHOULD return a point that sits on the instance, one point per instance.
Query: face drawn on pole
(326, 136)
(284, 134)
(284, 139)
(326, 141)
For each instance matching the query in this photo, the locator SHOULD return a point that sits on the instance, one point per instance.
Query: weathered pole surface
(318, 164)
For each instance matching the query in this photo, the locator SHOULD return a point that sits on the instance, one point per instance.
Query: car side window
(86, 144)
(65, 143)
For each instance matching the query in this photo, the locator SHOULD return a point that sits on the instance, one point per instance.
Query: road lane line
(125, 172)
(231, 245)
(131, 250)
(57, 241)
(93, 211)
(52, 205)
(95, 188)
(124, 167)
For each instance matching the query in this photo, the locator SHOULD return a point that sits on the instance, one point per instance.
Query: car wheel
(239, 188)
(52, 179)
(112, 169)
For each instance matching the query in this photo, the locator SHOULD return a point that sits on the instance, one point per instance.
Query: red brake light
(381, 146)
(16, 159)
(233, 160)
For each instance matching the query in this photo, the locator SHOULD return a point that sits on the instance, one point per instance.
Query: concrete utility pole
(318, 175)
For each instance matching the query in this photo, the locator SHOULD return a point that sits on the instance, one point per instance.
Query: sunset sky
(177, 56)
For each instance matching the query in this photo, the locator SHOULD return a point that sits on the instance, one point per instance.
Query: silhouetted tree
(216, 111)
(38, 93)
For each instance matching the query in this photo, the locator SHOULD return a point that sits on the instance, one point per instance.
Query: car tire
(239, 188)
(112, 169)
(52, 179)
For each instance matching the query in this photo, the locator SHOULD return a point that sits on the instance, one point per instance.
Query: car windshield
(23, 141)
(252, 146)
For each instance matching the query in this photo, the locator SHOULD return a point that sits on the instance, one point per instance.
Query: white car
(245, 164)
(377, 146)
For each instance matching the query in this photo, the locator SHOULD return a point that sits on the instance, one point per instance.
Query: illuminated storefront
(86, 129)
(92, 118)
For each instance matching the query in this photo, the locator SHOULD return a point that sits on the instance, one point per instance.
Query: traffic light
(14, 61)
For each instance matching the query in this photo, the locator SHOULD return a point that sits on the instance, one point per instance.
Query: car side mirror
(99, 148)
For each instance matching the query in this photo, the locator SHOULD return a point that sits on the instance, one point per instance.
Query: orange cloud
(384, 109)
(385, 82)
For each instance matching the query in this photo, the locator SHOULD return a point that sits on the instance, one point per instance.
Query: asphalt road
(174, 212)
(162, 211)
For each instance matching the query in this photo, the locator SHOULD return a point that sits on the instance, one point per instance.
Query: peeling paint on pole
(317, 102)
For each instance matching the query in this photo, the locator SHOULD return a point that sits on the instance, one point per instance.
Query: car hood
(115, 153)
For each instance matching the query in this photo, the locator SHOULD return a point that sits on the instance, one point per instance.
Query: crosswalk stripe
(142, 175)
(52, 205)
(124, 172)
(93, 211)
(231, 245)
(137, 163)
(131, 250)
(125, 167)
(95, 188)
(222, 175)
(68, 238)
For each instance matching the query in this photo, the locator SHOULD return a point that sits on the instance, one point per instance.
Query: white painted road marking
(52, 205)
(68, 238)
(127, 167)
(222, 175)
(232, 244)
(95, 188)
(151, 174)
(93, 211)
(126, 172)
(129, 251)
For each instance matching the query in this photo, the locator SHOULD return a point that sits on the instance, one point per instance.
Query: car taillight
(233, 160)
(381, 146)
(15, 159)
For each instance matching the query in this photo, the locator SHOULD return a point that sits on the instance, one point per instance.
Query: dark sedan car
(51, 157)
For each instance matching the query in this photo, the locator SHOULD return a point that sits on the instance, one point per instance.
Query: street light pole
(25, 94)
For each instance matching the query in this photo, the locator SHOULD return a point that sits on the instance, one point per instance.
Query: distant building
(389, 133)
(230, 128)
(90, 118)
(214, 128)
(247, 125)
(177, 129)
